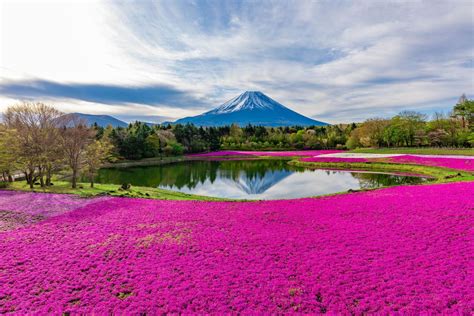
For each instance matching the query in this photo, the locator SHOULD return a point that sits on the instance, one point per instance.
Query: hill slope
(101, 120)
(251, 107)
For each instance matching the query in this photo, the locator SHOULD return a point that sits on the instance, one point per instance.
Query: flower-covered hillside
(466, 163)
(405, 249)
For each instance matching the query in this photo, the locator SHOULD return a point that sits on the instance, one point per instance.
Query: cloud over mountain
(101, 93)
(346, 57)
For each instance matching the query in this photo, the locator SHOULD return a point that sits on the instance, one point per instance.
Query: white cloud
(338, 61)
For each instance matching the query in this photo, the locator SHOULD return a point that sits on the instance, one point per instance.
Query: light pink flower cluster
(18, 209)
(404, 249)
(295, 153)
(465, 164)
(44, 204)
(12, 220)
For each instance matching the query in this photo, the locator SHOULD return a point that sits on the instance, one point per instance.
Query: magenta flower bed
(334, 159)
(465, 164)
(405, 249)
(267, 153)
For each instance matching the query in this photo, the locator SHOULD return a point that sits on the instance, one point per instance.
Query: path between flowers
(406, 249)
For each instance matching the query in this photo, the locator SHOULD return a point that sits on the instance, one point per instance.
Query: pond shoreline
(254, 178)
(437, 174)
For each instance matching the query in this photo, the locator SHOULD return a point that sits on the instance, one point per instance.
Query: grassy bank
(417, 151)
(85, 190)
(156, 161)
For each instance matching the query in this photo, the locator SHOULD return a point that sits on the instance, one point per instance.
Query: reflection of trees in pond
(375, 180)
(190, 174)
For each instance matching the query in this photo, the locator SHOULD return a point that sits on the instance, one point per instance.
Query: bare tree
(75, 137)
(36, 126)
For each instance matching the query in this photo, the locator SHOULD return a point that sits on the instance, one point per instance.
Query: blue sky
(336, 61)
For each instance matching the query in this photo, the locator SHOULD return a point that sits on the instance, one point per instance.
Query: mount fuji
(251, 107)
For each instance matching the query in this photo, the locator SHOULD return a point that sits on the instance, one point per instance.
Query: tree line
(39, 141)
(407, 129)
(413, 129)
(139, 140)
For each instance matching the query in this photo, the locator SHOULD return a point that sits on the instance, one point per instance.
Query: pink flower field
(295, 153)
(406, 249)
(466, 164)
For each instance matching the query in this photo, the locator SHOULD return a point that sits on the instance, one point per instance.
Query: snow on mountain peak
(249, 100)
(251, 107)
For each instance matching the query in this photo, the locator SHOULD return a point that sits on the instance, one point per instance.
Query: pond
(250, 179)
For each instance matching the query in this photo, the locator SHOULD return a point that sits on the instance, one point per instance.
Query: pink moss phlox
(404, 249)
(466, 164)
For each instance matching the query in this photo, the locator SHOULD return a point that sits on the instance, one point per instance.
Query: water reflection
(249, 179)
(256, 184)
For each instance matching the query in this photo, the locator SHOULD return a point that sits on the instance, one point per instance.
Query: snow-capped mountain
(247, 100)
(251, 107)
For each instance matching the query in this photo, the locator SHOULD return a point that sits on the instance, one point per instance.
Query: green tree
(459, 109)
(465, 110)
(405, 126)
(371, 132)
(9, 153)
(96, 154)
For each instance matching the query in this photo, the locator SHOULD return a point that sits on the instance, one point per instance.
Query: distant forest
(407, 129)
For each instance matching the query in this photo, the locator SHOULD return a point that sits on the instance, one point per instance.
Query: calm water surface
(250, 179)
